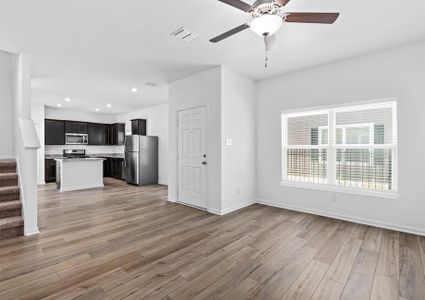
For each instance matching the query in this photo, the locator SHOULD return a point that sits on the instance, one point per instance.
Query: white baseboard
(215, 211)
(231, 209)
(171, 199)
(81, 188)
(363, 221)
(31, 231)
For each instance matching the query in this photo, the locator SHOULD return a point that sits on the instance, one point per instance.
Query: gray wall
(6, 106)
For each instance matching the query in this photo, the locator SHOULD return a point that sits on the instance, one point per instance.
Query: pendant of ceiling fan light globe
(266, 25)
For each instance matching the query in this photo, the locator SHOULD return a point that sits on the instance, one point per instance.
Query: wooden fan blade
(322, 18)
(282, 3)
(238, 4)
(229, 33)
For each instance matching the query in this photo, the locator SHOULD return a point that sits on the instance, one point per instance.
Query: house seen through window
(351, 146)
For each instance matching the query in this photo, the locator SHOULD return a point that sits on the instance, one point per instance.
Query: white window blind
(350, 147)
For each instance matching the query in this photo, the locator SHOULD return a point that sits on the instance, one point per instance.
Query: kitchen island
(79, 173)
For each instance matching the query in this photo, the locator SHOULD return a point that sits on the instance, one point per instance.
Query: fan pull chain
(266, 62)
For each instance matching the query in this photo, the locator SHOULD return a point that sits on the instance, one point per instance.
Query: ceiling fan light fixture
(266, 25)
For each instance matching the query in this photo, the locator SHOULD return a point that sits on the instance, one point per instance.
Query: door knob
(204, 162)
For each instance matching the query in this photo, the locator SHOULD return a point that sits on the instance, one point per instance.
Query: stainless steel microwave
(76, 139)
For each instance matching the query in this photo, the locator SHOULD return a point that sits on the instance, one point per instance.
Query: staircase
(11, 221)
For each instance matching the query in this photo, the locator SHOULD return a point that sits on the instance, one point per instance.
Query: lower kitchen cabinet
(49, 170)
(113, 167)
(117, 168)
(106, 172)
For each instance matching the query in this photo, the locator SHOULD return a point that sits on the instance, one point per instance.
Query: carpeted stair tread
(8, 179)
(7, 166)
(11, 175)
(11, 222)
(10, 205)
(10, 209)
(9, 193)
(9, 189)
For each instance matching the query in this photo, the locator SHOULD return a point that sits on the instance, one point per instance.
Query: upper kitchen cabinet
(115, 134)
(54, 132)
(118, 134)
(75, 127)
(138, 127)
(97, 133)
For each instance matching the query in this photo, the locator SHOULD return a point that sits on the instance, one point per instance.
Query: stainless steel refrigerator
(141, 159)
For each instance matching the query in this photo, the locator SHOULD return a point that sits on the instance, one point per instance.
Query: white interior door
(192, 157)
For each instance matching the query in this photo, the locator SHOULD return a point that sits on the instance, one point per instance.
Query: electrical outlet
(238, 192)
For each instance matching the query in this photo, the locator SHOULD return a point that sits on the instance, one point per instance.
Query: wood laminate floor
(126, 242)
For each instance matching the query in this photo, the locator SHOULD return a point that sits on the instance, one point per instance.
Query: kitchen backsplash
(89, 149)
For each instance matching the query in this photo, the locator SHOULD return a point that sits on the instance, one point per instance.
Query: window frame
(332, 147)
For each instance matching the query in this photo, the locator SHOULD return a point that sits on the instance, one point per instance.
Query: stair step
(10, 209)
(8, 179)
(11, 222)
(11, 227)
(7, 166)
(9, 193)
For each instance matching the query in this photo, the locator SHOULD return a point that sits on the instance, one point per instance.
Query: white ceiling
(95, 51)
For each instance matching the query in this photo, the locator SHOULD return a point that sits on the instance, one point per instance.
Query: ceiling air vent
(184, 35)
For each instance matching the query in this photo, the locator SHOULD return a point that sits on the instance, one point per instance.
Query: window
(343, 148)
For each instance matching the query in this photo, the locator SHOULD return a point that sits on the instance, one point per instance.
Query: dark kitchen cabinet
(115, 134)
(97, 134)
(75, 127)
(113, 167)
(118, 134)
(109, 135)
(117, 168)
(49, 170)
(138, 126)
(107, 172)
(54, 132)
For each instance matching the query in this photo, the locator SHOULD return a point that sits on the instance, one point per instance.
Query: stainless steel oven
(76, 139)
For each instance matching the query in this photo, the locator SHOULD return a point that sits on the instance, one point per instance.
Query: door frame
(177, 156)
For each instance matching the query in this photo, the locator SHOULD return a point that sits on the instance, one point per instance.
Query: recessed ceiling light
(108, 105)
(68, 99)
(97, 109)
(59, 105)
(134, 90)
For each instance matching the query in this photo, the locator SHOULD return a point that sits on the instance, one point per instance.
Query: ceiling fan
(268, 16)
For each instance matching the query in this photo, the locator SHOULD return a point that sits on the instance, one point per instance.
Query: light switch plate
(229, 142)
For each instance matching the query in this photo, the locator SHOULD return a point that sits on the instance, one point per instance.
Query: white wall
(398, 72)
(6, 104)
(157, 125)
(62, 114)
(200, 89)
(238, 123)
(37, 115)
(230, 101)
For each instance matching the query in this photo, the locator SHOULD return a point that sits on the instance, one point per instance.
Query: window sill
(341, 189)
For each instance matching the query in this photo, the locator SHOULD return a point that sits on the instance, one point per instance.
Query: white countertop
(78, 159)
